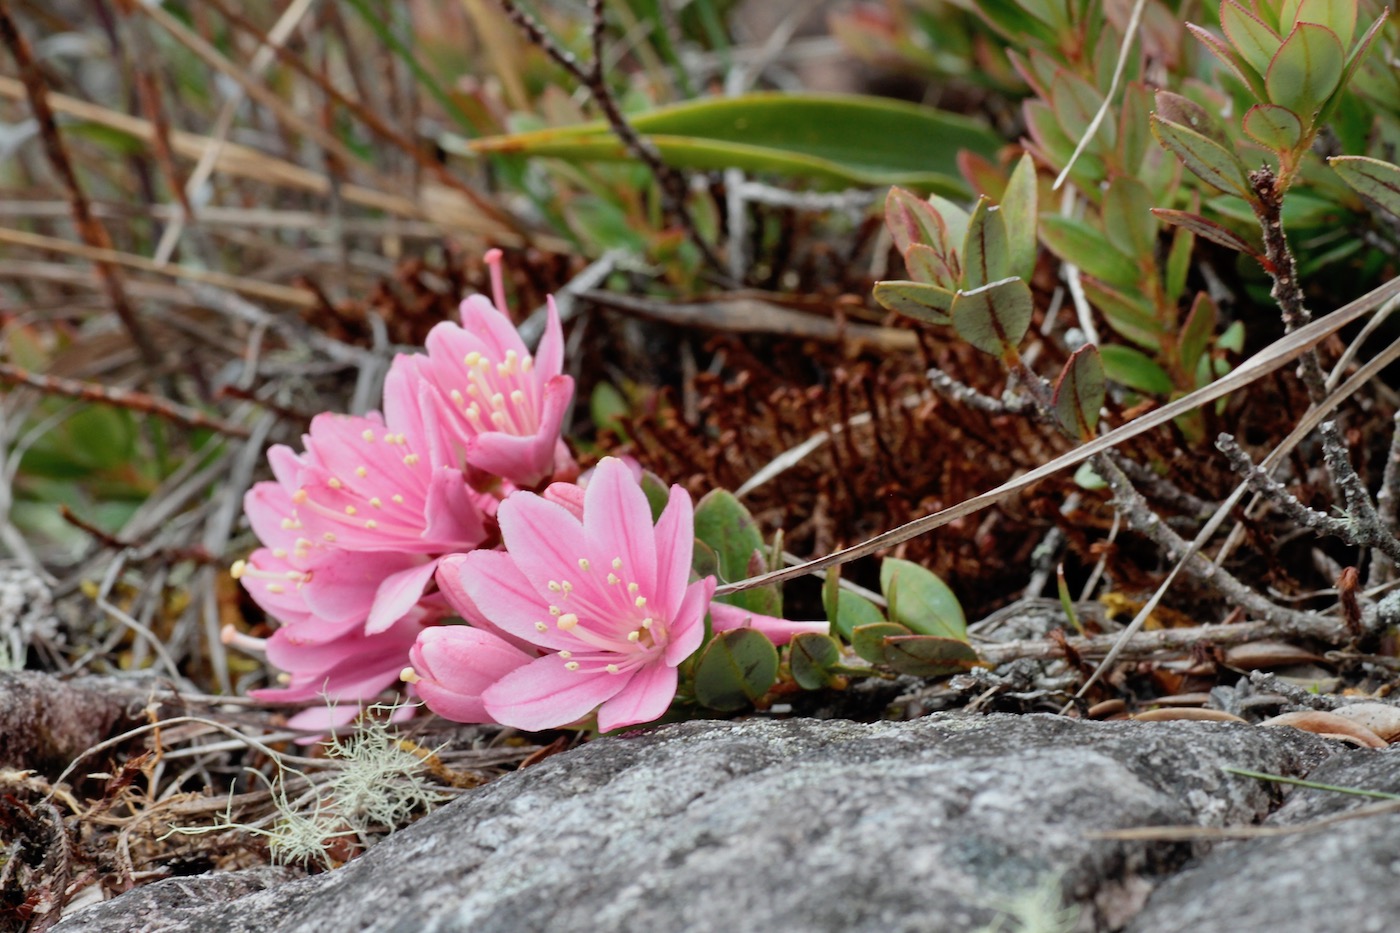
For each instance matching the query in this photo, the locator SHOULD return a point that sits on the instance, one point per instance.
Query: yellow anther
(368, 435)
(634, 636)
(567, 621)
(361, 472)
(376, 503)
(334, 483)
(617, 563)
(639, 602)
(299, 497)
(612, 668)
(239, 568)
(276, 588)
(350, 510)
(541, 627)
(398, 499)
(571, 666)
(409, 676)
(328, 536)
(371, 524)
(583, 563)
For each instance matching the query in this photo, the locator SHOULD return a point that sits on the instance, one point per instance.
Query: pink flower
(502, 407)
(314, 584)
(344, 671)
(453, 665)
(724, 617)
(608, 596)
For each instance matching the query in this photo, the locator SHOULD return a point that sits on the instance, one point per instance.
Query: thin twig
(121, 398)
(674, 188)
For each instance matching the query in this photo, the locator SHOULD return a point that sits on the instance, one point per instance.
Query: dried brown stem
(121, 398)
(90, 229)
(196, 554)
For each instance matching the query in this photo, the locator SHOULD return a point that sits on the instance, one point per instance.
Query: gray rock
(1345, 876)
(937, 824)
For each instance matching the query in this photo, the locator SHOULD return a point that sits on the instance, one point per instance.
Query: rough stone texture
(1343, 877)
(47, 721)
(794, 825)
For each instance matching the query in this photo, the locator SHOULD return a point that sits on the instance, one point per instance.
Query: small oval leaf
(1273, 127)
(869, 640)
(995, 317)
(1306, 69)
(929, 656)
(927, 303)
(1079, 392)
(735, 669)
(920, 600)
(1377, 180)
(1207, 159)
(1135, 369)
(811, 656)
(986, 254)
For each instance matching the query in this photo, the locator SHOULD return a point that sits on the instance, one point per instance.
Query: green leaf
(735, 669)
(1075, 102)
(1075, 241)
(722, 522)
(1210, 161)
(852, 611)
(1130, 316)
(985, 254)
(954, 216)
(831, 592)
(657, 492)
(929, 656)
(1231, 59)
(1197, 331)
(1086, 478)
(920, 600)
(1183, 111)
(811, 657)
(1275, 128)
(1207, 230)
(927, 265)
(1019, 214)
(1079, 392)
(704, 562)
(1377, 180)
(1133, 131)
(1252, 38)
(1339, 17)
(924, 302)
(1127, 218)
(995, 317)
(912, 220)
(1135, 369)
(869, 640)
(608, 407)
(1178, 263)
(829, 138)
(1306, 70)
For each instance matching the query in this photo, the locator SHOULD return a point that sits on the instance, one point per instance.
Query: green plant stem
(1314, 785)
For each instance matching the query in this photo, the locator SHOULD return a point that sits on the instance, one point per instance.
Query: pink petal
(569, 495)
(344, 583)
(688, 622)
(525, 461)
(646, 697)
(617, 523)
(549, 357)
(502, 594)
(491, 327)
(398, 594)
(724, 617)
(285, 463)
(543, 538)
(455, 522)
(675, 546)
(456, 664)
(545, 695)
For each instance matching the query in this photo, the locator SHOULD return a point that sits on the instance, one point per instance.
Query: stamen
(334, 483)
(371, 524)
(287, 523)
(409, 676)
(239, 568)
(276, 588)
(554, 586)
(398, 499)
(566, 654)
(472, 358)
(634, 636)
(567, 621)
(279, 552)
(632, 589)
(361, 472)
(583, 563)
(617, 563)
(368, 435)
(541, 627)
(411, 460)
(328, 536)
(571, 666)
(639, 602)
(611, 668)
(350, 510)
(613, 580)
(376, 503)
(647, 622)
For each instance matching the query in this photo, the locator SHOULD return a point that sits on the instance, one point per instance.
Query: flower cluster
(461, 503)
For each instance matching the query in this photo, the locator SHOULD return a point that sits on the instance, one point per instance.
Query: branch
(121, 398)
(671, 181)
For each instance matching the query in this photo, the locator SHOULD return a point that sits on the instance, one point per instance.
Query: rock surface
(943, 823)
(1342, 876)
